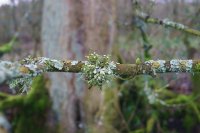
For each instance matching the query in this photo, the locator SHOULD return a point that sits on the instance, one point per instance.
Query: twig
(167, 23)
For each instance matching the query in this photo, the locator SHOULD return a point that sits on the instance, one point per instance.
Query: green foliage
(6, 48)
(197, 67)
(32, 115)
(138, 61)
(128, 109)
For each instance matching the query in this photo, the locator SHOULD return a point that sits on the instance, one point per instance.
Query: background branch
(168, 23)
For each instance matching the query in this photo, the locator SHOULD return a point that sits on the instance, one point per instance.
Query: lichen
(181, 65)
(179, 26)
(186, 64)
(31, 68)
(51, 63)
(174, 65)
(162, 66)
(22, 83)
(98, 69)
(157, 66)
(8, 70)
(57, 64)
(74, 62)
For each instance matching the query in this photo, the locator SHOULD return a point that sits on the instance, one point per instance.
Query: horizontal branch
(168, 23)
(33, 67)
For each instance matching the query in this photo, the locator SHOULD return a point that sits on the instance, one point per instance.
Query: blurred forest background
(70, 29)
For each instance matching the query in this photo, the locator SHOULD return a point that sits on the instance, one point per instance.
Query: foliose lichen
(50, 63)
(31, 68)
(157, 66)
(98, 69)
(8, 70)
(22, 83)
(174, 65)
(181, 65)
(186, 64)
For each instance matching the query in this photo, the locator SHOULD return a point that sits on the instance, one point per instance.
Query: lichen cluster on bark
(97, 69)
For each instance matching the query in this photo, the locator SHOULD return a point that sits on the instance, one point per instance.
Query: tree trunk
(67, 27)
(63, 38)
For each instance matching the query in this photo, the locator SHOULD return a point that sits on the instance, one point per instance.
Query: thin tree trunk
(63, 38)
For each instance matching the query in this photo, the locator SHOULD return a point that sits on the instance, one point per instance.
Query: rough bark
(63, 38)
(68, 27)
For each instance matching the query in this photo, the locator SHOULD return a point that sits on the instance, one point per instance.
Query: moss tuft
(31, 117)
(197, 67)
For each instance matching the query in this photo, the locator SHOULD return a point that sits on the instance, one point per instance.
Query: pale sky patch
(3, 2)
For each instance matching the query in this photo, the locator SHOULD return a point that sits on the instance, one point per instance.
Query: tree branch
(168, 23)
(33, 67)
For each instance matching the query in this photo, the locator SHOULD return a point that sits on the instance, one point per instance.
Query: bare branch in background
(168, 23)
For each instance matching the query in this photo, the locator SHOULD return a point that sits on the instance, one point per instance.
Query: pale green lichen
(138, 61)
(181, 65)
(174, 65)
(186, 64)
(157, 66)
(57, 64)
(8, 70)
(35, 67)
(22, 83)
(162, 67)
(98, 69)
(51, 63)
(179, 26)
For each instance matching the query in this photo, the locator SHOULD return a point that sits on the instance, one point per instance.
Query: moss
(197, 67)
(32, 115)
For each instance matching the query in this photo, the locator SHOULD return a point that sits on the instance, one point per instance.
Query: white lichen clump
(34, 68)
(51, 63)
(98, 69)
(8, 70)
(167, 22)
(162, 67)
(157, 66)
(181, 65)
(74, 63)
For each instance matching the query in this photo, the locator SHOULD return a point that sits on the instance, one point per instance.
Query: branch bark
(36, 66)
(168, 23)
